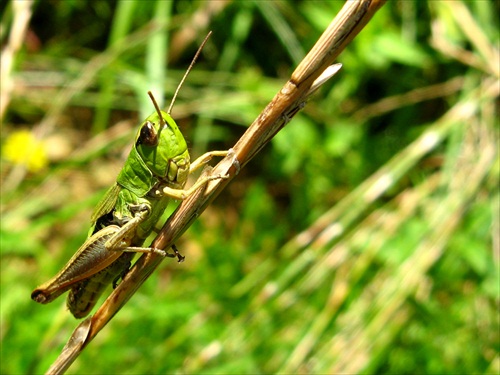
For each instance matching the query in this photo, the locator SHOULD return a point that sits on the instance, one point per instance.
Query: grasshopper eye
(148, 135)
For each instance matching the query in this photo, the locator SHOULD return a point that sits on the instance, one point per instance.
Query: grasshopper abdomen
(83, 296)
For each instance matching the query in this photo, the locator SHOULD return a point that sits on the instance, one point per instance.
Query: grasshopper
(155, 171)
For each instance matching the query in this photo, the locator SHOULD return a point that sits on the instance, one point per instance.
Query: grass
(364, 240)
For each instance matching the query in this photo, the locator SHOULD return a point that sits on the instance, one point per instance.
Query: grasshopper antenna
(187, 72)
(162, 121)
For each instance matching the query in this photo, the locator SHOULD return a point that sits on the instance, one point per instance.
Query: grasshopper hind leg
(176, 254)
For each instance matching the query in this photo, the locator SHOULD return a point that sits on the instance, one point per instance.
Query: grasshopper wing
(107, 203)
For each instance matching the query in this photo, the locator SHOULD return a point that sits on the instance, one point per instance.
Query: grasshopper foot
(176, 254)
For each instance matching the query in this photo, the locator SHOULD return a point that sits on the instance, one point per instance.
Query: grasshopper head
(163, 148)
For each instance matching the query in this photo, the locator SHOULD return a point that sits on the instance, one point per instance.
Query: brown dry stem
(287, 102)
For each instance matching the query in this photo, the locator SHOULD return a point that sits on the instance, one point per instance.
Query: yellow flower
(22, 148)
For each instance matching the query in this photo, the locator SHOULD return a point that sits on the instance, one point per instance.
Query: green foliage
(363, 240)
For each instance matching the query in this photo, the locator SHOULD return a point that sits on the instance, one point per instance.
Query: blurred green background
(363, 239)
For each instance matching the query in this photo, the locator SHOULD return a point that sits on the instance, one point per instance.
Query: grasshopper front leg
(206, 157)
(198, 163)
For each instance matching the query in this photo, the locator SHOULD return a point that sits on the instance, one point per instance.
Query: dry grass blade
(287, 102)
(71, 349)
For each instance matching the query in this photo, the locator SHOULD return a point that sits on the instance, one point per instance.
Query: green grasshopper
(155, 171)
